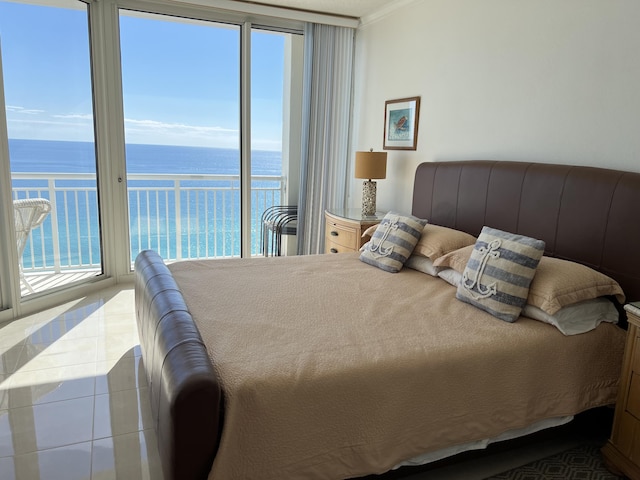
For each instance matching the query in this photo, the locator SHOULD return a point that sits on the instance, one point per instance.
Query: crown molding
(385, 11)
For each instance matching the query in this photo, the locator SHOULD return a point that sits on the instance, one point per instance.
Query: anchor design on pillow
(378, 248)
(474, 286)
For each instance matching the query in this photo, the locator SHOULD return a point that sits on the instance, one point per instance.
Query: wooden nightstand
(622, 451)
(344, 229)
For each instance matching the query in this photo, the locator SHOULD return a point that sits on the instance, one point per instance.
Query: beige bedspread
(333, 368)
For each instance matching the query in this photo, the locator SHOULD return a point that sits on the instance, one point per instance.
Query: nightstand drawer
(336, 248)
(341, 235)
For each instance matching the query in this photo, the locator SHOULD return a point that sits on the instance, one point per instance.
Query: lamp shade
(371, 165)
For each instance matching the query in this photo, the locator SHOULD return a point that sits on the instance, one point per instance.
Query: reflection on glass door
(49, 113)
(181, 103)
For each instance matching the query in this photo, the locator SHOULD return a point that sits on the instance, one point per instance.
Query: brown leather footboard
(186, 398)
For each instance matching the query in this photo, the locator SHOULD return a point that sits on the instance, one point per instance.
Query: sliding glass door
(276, 90)
(182, 105)
(51, 143)
(181, 89)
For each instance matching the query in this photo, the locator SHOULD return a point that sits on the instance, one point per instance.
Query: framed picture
(401, 124)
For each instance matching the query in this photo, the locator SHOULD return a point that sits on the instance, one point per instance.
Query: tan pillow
(457, 259)
(436, 241)
(557, 282)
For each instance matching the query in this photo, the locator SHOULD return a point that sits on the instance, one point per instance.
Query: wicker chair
(29, 214)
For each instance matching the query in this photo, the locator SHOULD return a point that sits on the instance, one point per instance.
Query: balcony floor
(42, 281)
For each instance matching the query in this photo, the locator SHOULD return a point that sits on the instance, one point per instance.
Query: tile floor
(73, 395)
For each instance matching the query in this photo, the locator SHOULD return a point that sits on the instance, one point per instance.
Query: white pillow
(450, 275)
(422, 264)
(577, 318)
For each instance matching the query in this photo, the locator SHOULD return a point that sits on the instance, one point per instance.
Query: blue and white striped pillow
(393, 241)
(499, 273)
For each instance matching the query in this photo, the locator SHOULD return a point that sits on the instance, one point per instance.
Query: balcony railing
(180, 216)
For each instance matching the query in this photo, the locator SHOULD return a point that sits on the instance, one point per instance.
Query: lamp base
(368, 198)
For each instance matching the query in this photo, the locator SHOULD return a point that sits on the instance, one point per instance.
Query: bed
(326, 367)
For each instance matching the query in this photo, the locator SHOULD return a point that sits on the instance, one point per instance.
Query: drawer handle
(333, 250)
(334, 233)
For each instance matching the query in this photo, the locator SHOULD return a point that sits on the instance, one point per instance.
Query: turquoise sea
(205, 206)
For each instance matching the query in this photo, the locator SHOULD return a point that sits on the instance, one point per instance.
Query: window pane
(181, 103)
(49, 111)
(274, 216)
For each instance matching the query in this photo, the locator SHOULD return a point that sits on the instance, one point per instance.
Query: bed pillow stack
(571, 296)
(393, 241)
(435, 242)
(499, 272)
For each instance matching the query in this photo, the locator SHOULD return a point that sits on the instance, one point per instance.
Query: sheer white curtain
(328, 78)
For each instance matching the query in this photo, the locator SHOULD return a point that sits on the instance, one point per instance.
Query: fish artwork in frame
(401, 124)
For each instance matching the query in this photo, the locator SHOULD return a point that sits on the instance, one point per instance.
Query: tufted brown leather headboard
(584, 214)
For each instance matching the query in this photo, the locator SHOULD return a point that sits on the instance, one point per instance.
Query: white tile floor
(73, 395)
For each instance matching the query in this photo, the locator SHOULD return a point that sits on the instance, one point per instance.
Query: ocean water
(190, 219)
(79, 157)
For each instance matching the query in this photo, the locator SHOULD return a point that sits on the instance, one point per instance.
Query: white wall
(555, 81)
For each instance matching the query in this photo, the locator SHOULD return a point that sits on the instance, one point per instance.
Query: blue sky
(180, 79)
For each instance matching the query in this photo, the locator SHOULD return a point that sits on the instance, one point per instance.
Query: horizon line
(144, 144)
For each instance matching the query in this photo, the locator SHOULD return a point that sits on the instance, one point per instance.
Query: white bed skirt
(480, 444)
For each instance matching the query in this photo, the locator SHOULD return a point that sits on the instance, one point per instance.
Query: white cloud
(163, 133)
(25, 111)
(79, 127)
(48, 122)
(78, 116)
(154, 125)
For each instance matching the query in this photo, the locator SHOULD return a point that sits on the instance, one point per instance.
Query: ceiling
(346, 8)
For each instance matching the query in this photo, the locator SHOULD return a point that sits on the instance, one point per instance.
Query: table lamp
(370, 165)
